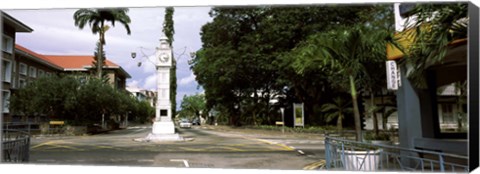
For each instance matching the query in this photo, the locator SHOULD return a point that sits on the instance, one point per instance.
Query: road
(207, 148)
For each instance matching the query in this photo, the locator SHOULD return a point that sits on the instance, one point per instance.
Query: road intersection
(207, 148)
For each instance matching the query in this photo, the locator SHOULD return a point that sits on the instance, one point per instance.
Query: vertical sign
(298, 114)
(392, 75)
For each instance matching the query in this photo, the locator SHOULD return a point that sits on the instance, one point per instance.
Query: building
(10, 26)
(422, 112)
(143, 94)
(82, 64)
(21, 66)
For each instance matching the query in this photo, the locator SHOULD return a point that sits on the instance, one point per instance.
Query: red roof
(66, 61)
(70, 62)
(30, 52)
(75, 62)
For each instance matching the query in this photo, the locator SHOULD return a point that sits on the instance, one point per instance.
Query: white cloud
(150, 82)
(187, 80)
(133, 83)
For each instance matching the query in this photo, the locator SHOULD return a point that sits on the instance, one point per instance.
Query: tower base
(162, 131)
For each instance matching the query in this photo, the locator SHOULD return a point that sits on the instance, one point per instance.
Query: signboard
(298, 114)
(392, 75)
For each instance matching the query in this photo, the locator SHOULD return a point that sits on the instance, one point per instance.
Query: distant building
(143, 94)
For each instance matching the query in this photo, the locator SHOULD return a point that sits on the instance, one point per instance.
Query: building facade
(10, 26)
(21, 66)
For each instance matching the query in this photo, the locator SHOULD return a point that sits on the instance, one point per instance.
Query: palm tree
(337, 109)
(96, 19)
(435, 27)
(345, 54)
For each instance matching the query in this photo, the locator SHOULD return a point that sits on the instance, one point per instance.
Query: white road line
(185, 162)
(145, 160)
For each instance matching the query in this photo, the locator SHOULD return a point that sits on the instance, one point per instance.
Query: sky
(54, 33)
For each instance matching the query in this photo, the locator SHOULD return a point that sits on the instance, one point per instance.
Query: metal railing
(343, 154)
(22, 126)
(15, 146)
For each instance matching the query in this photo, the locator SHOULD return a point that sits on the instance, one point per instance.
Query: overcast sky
(54, 33)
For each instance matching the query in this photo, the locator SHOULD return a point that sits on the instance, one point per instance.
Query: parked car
(196, 121)
(185, 124)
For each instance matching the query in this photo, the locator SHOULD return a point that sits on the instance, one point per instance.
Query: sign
(298, 114)
(57, 122)
(392, 75)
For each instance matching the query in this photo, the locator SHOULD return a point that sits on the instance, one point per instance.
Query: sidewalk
(263, 133)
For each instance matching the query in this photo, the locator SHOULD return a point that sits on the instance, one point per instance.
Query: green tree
(96, 19)
(143, 112)
(169, 31)
(54, 96)
(345, 54)
(65, 98)
(338, 108)
(193, 105)
(241, 62)
(435, 27)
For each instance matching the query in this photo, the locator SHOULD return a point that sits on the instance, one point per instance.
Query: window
(22, 83)
(48, 74)
(6, 101)
(447, 114)
(32, 72)
(41, 73)
(163, 112)
(23, 69)
(14, 67)
(6, 71)
(7, 44)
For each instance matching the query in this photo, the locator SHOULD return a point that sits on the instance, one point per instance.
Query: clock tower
(163, 127)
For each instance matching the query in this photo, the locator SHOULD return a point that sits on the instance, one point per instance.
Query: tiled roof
(76, 62)
(70, 62)
(35, 55)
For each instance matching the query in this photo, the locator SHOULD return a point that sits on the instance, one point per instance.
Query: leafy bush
(381, 136)
(310, 129)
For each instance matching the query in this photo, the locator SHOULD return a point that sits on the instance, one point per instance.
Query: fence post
(29, 125)
(440, 160)
(327, 153)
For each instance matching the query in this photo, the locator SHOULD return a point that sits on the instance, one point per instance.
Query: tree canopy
(244, 61)
(67, 97)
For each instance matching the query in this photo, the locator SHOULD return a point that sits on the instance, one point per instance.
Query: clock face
(163, 57)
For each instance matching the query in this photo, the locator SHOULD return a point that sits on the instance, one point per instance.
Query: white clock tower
(163, 127)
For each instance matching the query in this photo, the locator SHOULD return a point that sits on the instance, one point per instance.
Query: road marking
(190, 149)
(145, 160)
(185, 162)
(273, 143)
(233, 149)
(55, 144)
(315, 165)
(105, 147)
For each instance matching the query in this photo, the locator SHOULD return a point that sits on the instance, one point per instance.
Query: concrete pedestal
(162, 131)
(163, 127)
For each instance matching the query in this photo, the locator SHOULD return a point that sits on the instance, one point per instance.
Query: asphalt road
(207, 148)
